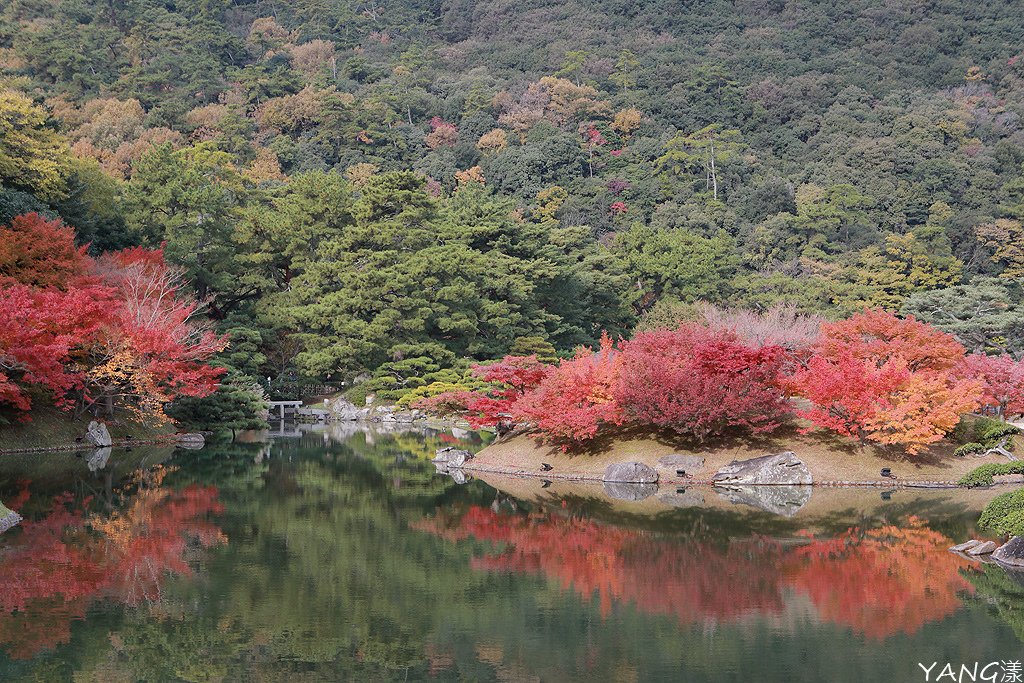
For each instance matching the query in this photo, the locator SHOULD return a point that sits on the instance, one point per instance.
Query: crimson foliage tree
(574, 399)
(120, 327)
(700, 382)
(1002, 381)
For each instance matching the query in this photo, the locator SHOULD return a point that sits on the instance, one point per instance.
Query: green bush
(969, 448)
(1005, 514)
(973, 429)
(357, 394)
(983, 475)
(992, 433)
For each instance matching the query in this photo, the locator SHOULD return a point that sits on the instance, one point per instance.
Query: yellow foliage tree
(1006, 238)
(32, 155)
(493, 141)
(626, 122)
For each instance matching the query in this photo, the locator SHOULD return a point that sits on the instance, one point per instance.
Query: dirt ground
(831, 459)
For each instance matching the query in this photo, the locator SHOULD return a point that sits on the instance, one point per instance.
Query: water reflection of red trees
(877, 582)
(59, 564)
(894, 579)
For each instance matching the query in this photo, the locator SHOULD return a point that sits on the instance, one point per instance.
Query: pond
(343, 555)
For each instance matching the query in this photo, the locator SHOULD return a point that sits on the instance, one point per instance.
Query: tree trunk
(714, 175)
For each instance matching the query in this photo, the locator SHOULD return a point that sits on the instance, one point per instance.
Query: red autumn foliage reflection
(878, 582)
(894, 579)
(57, 566)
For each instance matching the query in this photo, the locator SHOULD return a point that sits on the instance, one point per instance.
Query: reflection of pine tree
(1004, 589)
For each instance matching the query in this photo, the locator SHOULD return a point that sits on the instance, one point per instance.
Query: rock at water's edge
(981, 549)
(779, 469)
(630, 473)
(965, 546)
(450, 456)
(97, 434)
(8, 518)
(1011, 553)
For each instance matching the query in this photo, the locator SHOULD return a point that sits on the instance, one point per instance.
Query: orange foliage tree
(890, 380)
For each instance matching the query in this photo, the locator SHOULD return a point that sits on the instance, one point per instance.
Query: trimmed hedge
(1005, 514)
(983, 475)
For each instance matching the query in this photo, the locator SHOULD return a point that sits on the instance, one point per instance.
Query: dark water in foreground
(345, 557)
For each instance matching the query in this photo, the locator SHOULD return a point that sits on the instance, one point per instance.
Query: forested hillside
(395, 187)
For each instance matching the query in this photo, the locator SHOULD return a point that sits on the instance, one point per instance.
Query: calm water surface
(344, 556)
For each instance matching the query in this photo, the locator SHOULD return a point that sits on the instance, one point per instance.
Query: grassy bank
(51, 428)
(830, 458)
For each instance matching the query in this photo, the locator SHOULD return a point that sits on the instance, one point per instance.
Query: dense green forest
(389, 188)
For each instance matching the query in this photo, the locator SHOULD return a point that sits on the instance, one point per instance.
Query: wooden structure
(285, 407)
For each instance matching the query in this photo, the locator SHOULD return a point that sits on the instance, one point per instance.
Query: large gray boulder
(450, 456)
(678, 461)
(340, 410)
(778, 500)
(1011, 553)
(628, 491)
(97, 434)
(768, 470)
(630, 473)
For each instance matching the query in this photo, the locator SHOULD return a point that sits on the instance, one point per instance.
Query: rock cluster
(340, 410)
(1010, 553)
(450, 460)
(451, 457)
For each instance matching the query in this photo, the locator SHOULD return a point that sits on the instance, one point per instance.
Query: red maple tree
(1002, 381)
(882, 378)
(700, 382)
(122, 326)
(40, 253)
(575, 398)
